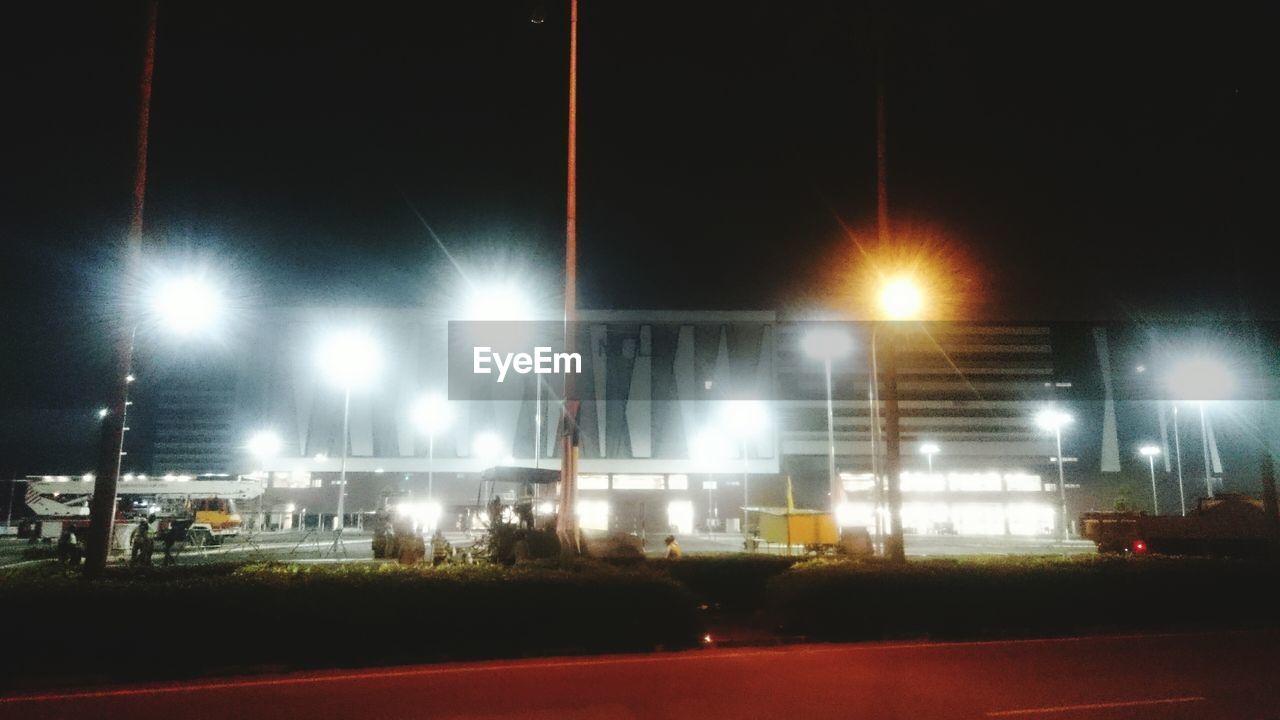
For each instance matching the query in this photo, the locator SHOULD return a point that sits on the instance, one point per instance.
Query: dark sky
(1086, 160)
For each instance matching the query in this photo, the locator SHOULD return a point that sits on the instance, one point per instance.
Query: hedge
(178, 622)
(943, 599)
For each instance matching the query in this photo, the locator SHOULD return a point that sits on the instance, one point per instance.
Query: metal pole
(1204, 441)
(837, 491)
(1177, 448)
(746, 480)
(873, 420)
(895, 547)
(342, 474)
(431, 466)
(1062, 486)
(1155, 500)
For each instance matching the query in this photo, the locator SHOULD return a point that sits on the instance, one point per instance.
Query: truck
(1228, 524)
(204, 507)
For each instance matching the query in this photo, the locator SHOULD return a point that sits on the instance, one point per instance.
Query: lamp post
(1201, 378)
(1150, 452)
(746, 420)
(901, 299)
(1177, 450)
(1053, 420)
(264, 445)
(432, 415)
(828, 344)
(929, 450)
(350, 359)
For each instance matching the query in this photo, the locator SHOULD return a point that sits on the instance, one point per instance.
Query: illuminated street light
(263, 446)
(350, 359)
(829, 344)
(929, 450)
(901, 299)
(187, 304)
(1150, 452)
(102, 413)
(1053, 420)
(432, 415)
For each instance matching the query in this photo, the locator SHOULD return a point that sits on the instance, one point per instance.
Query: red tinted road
(1221, 675)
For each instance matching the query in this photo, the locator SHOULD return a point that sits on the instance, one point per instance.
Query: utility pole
(102, 508)
(566, 517)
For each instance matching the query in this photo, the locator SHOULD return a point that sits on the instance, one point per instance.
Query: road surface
(1171, 677)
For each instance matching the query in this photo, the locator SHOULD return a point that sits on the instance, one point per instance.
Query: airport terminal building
(665, 437)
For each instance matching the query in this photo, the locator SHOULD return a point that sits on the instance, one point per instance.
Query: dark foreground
(1202, 675)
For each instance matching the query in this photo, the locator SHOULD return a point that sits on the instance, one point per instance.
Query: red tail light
(1138, 547)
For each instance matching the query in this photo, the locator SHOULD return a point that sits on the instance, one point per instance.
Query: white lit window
(1031, 518)
(680, 516)
(1022, 482)
(979, 518)
(975, 482)
(861, 482)
(593, 482)
(637, 482)
(923, 482)
(593, 514)
(856, 515)
(677, 482)
(708, 484)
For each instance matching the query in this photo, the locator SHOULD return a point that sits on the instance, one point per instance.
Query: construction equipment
(1228, 524)
(201, 506)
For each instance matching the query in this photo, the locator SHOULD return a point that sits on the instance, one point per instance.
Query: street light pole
(1062, 485)
(342, 473)
(1177, 449)
(566, 518)
(1204, 440)
(895, 546)
(836, 488)
(1155, 499)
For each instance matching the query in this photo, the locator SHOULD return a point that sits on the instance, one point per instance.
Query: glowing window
(593, 482)
(677, 482)
(923, 482)
(861, 482)
(680, 516)
(637, 482)
(593, 514)
(975, 482)
(1021, 482)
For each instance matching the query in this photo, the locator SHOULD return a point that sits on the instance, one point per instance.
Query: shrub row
(1010, 598)
(161, 624)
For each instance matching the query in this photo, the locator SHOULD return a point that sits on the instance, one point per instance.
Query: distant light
(1140, 369)
(187, 304)
(87, 477)
(745, 418)
(1149, 450)
(930, 449)
(1139, 547)
(901, 299)
(826, 343)
(102, 413)
(350, 358)
(265, 444)
(706, 638)
(378, 471)
(129, 378)
(432, 414)
(322, 456)
(546, 508)
(709, 447)
(487, 446)
(1052, 419)
(1200, 378)
(499, 301)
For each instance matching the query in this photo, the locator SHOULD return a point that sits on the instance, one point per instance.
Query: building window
(638, 482)
(593, 482)
(677, 482)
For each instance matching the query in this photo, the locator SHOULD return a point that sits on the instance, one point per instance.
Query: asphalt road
(1174, 677)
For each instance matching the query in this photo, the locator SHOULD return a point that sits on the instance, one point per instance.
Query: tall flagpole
(566, 518)
(102, 508)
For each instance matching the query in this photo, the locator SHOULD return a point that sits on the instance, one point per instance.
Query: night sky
(1082, 160)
